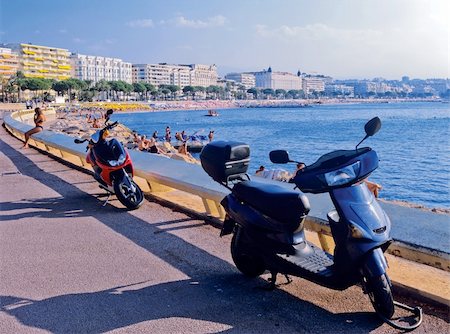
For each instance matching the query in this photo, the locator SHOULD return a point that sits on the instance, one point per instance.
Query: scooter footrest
(311, 258)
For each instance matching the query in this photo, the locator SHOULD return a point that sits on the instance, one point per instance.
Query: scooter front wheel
(380, 294)
(129, 194)
(248, 264)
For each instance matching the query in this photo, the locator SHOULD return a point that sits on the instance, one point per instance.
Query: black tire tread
(381, 295)
(128, 204)
(247, 264)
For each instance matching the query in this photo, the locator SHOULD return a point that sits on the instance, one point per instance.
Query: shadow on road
(214, 292)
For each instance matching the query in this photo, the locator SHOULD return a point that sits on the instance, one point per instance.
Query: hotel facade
(313, 84)
(178, 75)
(97, 68)
(277, 80)
(36, 61)
(245, 79)
(9, 63)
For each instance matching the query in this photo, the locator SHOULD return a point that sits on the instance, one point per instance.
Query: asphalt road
(70, 265)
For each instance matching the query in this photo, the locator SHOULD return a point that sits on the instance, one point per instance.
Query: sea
(413, 143)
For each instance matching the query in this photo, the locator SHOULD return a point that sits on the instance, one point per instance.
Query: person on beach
(39, 120)
(168, 137)
(178, 136)
(373, 187)
(155, 135)
(96, 123)
(152, 146)
(144, 144)
(260, 170)
(183, 150)
(211, 135)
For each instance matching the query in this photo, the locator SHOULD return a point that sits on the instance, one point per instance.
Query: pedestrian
(39, 120)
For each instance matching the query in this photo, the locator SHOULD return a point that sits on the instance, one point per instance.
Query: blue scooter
(267, 221)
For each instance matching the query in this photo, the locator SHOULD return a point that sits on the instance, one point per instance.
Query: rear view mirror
(372, 126)
(279, 157)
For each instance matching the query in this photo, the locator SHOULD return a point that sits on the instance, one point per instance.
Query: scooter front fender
(227, 227)
(374, 263)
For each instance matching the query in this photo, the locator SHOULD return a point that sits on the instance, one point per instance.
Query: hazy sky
(343, 39)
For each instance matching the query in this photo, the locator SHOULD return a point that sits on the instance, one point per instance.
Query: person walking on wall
(39, 120)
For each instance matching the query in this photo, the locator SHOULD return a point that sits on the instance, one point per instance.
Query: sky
(345, 39)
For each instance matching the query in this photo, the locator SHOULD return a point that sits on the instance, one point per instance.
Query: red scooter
(113, 168)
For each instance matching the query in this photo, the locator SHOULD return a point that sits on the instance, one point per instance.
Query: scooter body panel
(250, 218)
(107, 172)
(362, 226)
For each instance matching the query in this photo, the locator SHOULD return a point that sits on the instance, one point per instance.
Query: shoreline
(158, 106)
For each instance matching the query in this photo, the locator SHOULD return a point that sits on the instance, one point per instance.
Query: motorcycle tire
(380, 294)
(247, 264)
(132, 200)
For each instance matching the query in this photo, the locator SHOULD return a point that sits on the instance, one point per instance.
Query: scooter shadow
(215, 291)
(227, 302)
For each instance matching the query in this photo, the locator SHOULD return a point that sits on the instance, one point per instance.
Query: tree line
(12, 89)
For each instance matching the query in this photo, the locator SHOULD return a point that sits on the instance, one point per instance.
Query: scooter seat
(284, 205)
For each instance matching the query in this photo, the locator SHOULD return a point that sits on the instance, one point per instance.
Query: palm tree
(149, 88)
(139, 87)
(103, 86)
(280, 93)
(253, 91)
(189, 90)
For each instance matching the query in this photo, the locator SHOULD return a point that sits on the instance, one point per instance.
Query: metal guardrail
(192, 180)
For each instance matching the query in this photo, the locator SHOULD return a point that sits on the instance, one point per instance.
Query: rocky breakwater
(78, 125)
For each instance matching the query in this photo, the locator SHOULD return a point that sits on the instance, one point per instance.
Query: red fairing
(107, 169)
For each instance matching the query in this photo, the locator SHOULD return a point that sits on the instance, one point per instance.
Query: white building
(277, 80)
(313, 84)
(162, 74)
(203, 75)
(9, 62)
(179, 75)
(97, 68)
(246, 79)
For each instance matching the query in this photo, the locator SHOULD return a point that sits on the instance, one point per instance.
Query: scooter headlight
(117, 162)
(356, 232)
(343, 175)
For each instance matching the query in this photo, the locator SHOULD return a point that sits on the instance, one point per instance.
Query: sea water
(413, 143)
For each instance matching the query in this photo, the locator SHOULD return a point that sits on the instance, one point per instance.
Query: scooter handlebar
(112, 125)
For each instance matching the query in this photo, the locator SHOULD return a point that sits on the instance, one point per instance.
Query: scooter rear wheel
(131, 199)
(380, 294)
(247, 264)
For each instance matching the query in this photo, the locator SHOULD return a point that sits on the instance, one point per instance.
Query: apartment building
(179, 75)
(312, 84)
(245, 79)
(162, 74)
(96, 68)
(277, 80)
(36, 61)
(203, 75)
(9, 63)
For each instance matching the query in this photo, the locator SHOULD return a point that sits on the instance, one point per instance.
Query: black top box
(225, 160)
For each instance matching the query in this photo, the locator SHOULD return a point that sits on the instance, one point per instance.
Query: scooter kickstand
(272, 282)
